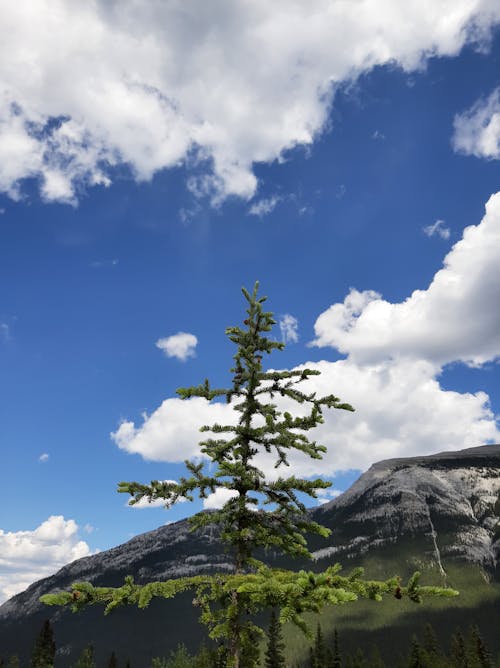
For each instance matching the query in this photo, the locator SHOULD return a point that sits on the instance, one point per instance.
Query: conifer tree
(416, 658)
(356, 660)
(459, 650)
(336, 655)
(112, 663)
(44, 649)
(275, 657)
(375, 660)
(262, 512)
(319, 652)
(86, 658)
(204, 658)
(431, 644)
(13, 661)
(478, 649)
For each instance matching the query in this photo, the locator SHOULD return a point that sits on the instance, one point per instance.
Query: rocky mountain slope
(448, 502)
(436, 510)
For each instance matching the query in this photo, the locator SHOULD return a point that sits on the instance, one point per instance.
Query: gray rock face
(450, 500)
(449, 503)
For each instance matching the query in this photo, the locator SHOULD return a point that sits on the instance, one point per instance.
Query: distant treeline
(461, 650)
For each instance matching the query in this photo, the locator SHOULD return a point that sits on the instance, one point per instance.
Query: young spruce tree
(261, 513)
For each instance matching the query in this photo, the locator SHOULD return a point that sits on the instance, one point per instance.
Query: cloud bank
(27, 556)
(85, 87)
(455, 319)
(395, 353)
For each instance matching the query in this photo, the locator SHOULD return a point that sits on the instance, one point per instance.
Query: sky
(155, 157)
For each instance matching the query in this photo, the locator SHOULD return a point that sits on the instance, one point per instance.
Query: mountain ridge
(435, 509)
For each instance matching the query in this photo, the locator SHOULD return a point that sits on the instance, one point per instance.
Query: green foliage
(431, 644)
(274, 657)
(478, 652)
(375, 659)
(13, 661)
(86, 658)
(319, 654)
(44, 649)
(336, 659)
(357, 660)
(261, 427)
(417, 657)
(178, 659)
(264, 512)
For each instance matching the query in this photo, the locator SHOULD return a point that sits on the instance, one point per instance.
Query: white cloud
(86, 86)
(181, 345)
(288, 327)
(401, 410)
(326, 495)
(4, 331)
(477, 130)
(44, 457)
(219, 498)
(263, 207)
(395, 356)
(439, 228)
(27, 556)
(455, 319)
(171, 433)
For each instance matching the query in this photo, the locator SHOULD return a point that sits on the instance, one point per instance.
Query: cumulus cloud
(171, 432)
(401, 410)
(395, 354)
(477, 130)
(439, 228)
(289, 328)
(88, 86)
(455, 319)
(44, 457)
(27, 556)
(181, 345)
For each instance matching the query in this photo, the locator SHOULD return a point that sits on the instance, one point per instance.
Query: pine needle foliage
(263, 511)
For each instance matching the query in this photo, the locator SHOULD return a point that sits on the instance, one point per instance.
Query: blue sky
(336, 158)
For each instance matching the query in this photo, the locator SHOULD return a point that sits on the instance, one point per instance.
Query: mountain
(448, 502)
(439, 512)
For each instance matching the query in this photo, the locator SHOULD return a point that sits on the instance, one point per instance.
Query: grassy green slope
(391, 623)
